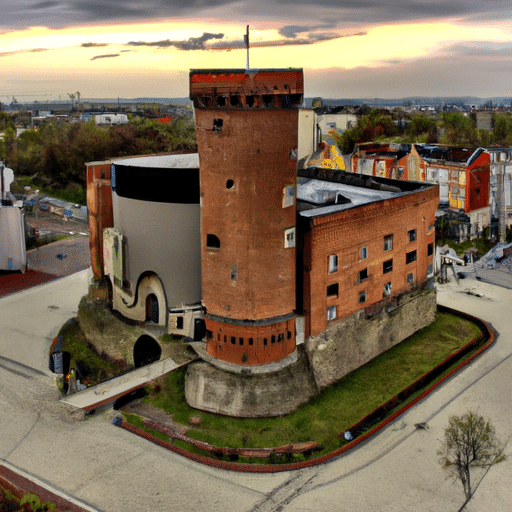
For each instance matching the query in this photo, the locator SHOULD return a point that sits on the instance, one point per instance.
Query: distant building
(463, 175)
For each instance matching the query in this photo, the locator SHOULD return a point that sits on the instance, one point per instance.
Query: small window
(387, 266)
(240, 341)
(265, 341)
(364, 252)
(362, 297)
(273, 339)
(251, 341)
(388, 242)
(331, 313)
(280, 337)
(217, 125)
(332, 290)
(412, 235)
(410, 278)
(333, 263)
(410, 257)
(179, 322)
(362, 275)
(430, 249)
(288, 196)
(289, 238)
(234, 273)
(209, 335)
(230, 184)
(387, 290)
(212, 241)
(289, 335)
(233, 340)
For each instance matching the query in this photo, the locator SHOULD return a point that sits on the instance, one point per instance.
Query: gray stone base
(250, 396)
(357, 339)
(322, 360)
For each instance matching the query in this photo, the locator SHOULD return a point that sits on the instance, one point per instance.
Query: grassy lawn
(336, 408)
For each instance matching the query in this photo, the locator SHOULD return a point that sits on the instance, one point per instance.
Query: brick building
(315, 271)
(360, 253)
(463, 175)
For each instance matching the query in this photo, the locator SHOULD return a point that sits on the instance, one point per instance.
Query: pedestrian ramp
(110, 390)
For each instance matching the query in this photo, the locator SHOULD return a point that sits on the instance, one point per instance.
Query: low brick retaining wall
(19, 485)
(369, 425)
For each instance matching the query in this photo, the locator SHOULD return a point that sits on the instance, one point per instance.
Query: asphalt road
(113, 470)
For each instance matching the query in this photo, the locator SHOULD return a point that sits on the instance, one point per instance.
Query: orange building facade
(247, 128)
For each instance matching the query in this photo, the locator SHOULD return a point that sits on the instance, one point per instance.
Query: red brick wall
(345, 233)
(250, 345)
(99, 206)
(246, 214)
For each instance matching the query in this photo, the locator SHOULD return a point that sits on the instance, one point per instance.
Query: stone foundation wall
(110, 335)
(357, 339)
(250, 396)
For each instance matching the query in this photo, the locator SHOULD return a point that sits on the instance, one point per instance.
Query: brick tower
(247, 126)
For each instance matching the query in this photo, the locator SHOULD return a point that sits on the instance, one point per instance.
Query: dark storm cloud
(341, 13)
(93, 45)
(481, 49)
(193, 43)
(16, 52)
(107, 56)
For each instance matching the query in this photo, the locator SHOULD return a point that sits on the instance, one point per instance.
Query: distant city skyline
(383, 48)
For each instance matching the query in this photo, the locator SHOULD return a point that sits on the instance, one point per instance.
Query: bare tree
(469, 441)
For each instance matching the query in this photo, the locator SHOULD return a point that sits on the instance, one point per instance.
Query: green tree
(372, 125)
(421, 128)
(459, 130)
(469, 441)
(502, 128)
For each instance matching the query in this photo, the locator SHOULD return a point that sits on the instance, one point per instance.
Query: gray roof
(179, 161)
(322, 196)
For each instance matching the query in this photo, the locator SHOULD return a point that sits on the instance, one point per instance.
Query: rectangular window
(331, 313)
(273, 339)
(387, 266)
(217, 125)
(240, 341)
(333, 263)
(179, 322)
(332, 290)
(265, 342)
(387, 290)
(410, 257)
(233, 340)
(388, 242)
(362, 296)
(288, 196)
(289, 238)
(410, 278)
(412, 235)
(362, 275)
(430, 249)
(251, 341)
(364, 252)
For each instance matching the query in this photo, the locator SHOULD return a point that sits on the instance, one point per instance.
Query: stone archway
(146, 351)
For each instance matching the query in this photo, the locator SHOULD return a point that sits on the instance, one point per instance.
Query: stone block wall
(355, 340)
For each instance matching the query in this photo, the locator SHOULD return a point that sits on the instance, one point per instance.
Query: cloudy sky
(348, 48)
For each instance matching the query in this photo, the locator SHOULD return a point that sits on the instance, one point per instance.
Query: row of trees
(451, 128)
(56, 153)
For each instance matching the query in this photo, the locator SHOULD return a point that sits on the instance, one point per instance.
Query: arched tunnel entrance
(146, 351)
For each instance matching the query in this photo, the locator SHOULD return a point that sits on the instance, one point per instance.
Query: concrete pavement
(113, 470)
